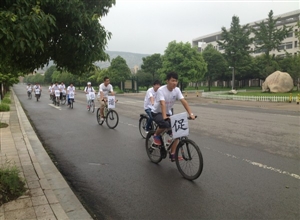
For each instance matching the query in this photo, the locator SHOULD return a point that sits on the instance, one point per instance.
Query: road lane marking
(260, 165)
(58, 108)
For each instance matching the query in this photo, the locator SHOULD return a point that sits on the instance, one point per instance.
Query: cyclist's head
(56, 83)
(28, 84)
(89, 83)
(156, 85)
(172, 80)
(106, 80)
(71, 84)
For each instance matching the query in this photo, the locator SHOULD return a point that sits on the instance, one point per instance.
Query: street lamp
(232, 84)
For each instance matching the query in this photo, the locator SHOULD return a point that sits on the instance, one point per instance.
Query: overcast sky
(146, 27)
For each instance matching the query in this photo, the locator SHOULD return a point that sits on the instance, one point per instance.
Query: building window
(296, 45)
(288, 45)
(290, 34)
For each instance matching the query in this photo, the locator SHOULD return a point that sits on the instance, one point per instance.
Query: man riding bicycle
(104, 89)
(70, 89)
(165, 99)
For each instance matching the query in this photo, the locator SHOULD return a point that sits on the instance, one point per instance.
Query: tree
(236, 43)
(68, 32)
(48, 74)
(268, 36)
(118, 71)
(185, 60)
(216, 65)
(151, 65)
(144, 79)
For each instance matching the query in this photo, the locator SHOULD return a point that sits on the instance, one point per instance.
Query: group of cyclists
(36, 89)
(158, 104)
(59, 91)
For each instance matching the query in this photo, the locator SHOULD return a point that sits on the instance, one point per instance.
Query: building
(290, 44)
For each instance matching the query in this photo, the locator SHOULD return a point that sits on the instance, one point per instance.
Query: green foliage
(185, 60)
(68, 32)
(144, 79)
(217, 67)
(11, 184)
(4, 107)
(151, 65)
(268, 36)
(6, 101)
(37, 78)
(118, 71)
(236, 43)
(48, 74)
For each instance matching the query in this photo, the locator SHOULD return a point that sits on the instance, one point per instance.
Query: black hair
(105, 78)
(156, 82)
(172, 75)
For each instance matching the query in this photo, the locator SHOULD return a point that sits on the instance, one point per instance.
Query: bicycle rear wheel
(191, 165)
(142, 126)
(98, 117)
(112, 119)
(153, 152)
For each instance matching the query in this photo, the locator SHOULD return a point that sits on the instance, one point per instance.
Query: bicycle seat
(143, 115)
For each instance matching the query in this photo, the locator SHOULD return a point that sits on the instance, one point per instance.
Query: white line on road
(296, 176)
(58, 108)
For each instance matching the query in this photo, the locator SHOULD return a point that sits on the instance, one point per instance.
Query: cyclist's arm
(152, 100)
(187, 108)
(163, 109)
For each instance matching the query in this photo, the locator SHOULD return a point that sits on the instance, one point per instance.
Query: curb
(62, 200)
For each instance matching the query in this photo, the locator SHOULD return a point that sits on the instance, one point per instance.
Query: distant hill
(132, 59)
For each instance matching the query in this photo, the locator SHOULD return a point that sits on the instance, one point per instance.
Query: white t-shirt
(150, 93)
(168, 96)
(36, 87)
(29, 88)
(89, 89)
(105, 89)
(70, 89)
(55, 87)
(50, 88)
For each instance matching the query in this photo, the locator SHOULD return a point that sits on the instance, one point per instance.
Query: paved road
(251, 162)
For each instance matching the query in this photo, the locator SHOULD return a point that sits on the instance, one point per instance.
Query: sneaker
(172, 158)
(156, 140)
(102, 119)
(146, 131)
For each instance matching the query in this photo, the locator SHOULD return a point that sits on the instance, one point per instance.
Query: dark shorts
(159, 120)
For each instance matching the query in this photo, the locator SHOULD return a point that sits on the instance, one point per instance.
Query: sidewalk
(49, 196)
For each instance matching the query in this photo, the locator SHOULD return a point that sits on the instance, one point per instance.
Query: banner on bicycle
(91, 95)
(179, 125)
(111, 101)
(71, 95)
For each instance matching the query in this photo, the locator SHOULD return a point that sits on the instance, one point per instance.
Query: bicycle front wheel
(153, 152)
(63, 100)
(100, 122)
(92, 106)
(190, 164)
(112, 119)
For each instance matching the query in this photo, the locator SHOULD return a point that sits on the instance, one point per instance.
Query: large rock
(278, 82)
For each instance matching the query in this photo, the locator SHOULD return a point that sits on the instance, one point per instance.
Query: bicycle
(91, 103)
(63, 98)
(56, 97)
(29, 93)
(142, 125)
(191, 165)
(111, 117)
(37, 93)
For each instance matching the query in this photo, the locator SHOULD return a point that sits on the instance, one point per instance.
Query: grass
(12, 185)
(3, 125)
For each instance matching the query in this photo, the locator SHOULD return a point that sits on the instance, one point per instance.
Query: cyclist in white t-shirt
(162, 109)
(70, 89)
(87, 90)
(104, 89)
(29, 89)
(149, 102)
